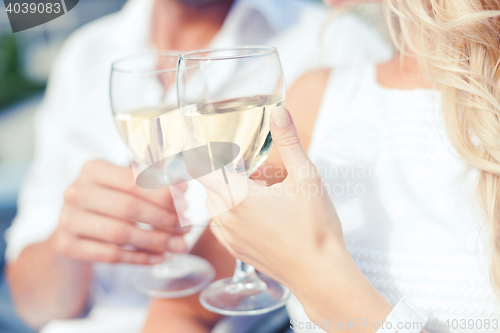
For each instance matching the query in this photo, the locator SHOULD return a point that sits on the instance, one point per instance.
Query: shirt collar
(279, 14)
(135, 28)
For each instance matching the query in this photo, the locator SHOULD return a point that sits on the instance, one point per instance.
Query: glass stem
(169, 256)
(162, 271)
(245, 277)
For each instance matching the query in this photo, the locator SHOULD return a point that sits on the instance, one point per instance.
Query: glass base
(242, 299)
(182, 276)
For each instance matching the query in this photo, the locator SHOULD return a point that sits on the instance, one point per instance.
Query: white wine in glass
(227, 96)
(145, 109)
(243, 121)
(130, 120)
(161, 129)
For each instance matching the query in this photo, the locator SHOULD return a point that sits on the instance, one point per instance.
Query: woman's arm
(291, 232)
(333, 290)
(186, 314)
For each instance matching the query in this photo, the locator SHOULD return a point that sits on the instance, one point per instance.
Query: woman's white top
(407, 202)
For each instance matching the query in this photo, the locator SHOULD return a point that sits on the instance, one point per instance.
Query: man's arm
(50, 279)
(186, 314)
(45, 285)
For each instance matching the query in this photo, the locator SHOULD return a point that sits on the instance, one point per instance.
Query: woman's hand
(99, 214)
(286, 226)
(291, 232)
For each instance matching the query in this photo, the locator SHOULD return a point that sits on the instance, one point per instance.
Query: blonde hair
(458, 42)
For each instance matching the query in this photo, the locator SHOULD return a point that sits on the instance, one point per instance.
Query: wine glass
(144, 104)
(226, 97)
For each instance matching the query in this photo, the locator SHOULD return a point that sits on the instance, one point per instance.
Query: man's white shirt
(74, 123)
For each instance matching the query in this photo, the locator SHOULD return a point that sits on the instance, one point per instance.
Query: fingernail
(156, 259)
(176, 244)
(185, 225)
(181, 205)
(280, 117)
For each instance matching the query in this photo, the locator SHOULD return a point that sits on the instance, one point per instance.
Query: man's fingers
(121, 205)
(110, 230)
(91, 251)
(110, 175)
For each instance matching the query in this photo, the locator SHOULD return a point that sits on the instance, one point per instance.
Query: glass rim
(261, 51)
(171, 53)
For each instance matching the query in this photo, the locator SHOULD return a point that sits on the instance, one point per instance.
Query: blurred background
(25, 61)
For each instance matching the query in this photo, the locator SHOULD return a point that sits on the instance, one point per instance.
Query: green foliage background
(13, 85)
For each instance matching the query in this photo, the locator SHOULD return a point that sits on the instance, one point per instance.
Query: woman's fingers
(287, 142)
(261, 182)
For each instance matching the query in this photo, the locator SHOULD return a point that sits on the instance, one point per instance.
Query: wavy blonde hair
(458, 42)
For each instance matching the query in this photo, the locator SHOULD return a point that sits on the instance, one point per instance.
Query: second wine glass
(226, 97)
(144, 104)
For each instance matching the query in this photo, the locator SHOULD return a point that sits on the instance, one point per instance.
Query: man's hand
(99, 214)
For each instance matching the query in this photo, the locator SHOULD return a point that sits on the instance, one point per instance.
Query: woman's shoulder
(325, 89)
(307, 92)
(304, 101)
(316, 78)
(311, 88)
